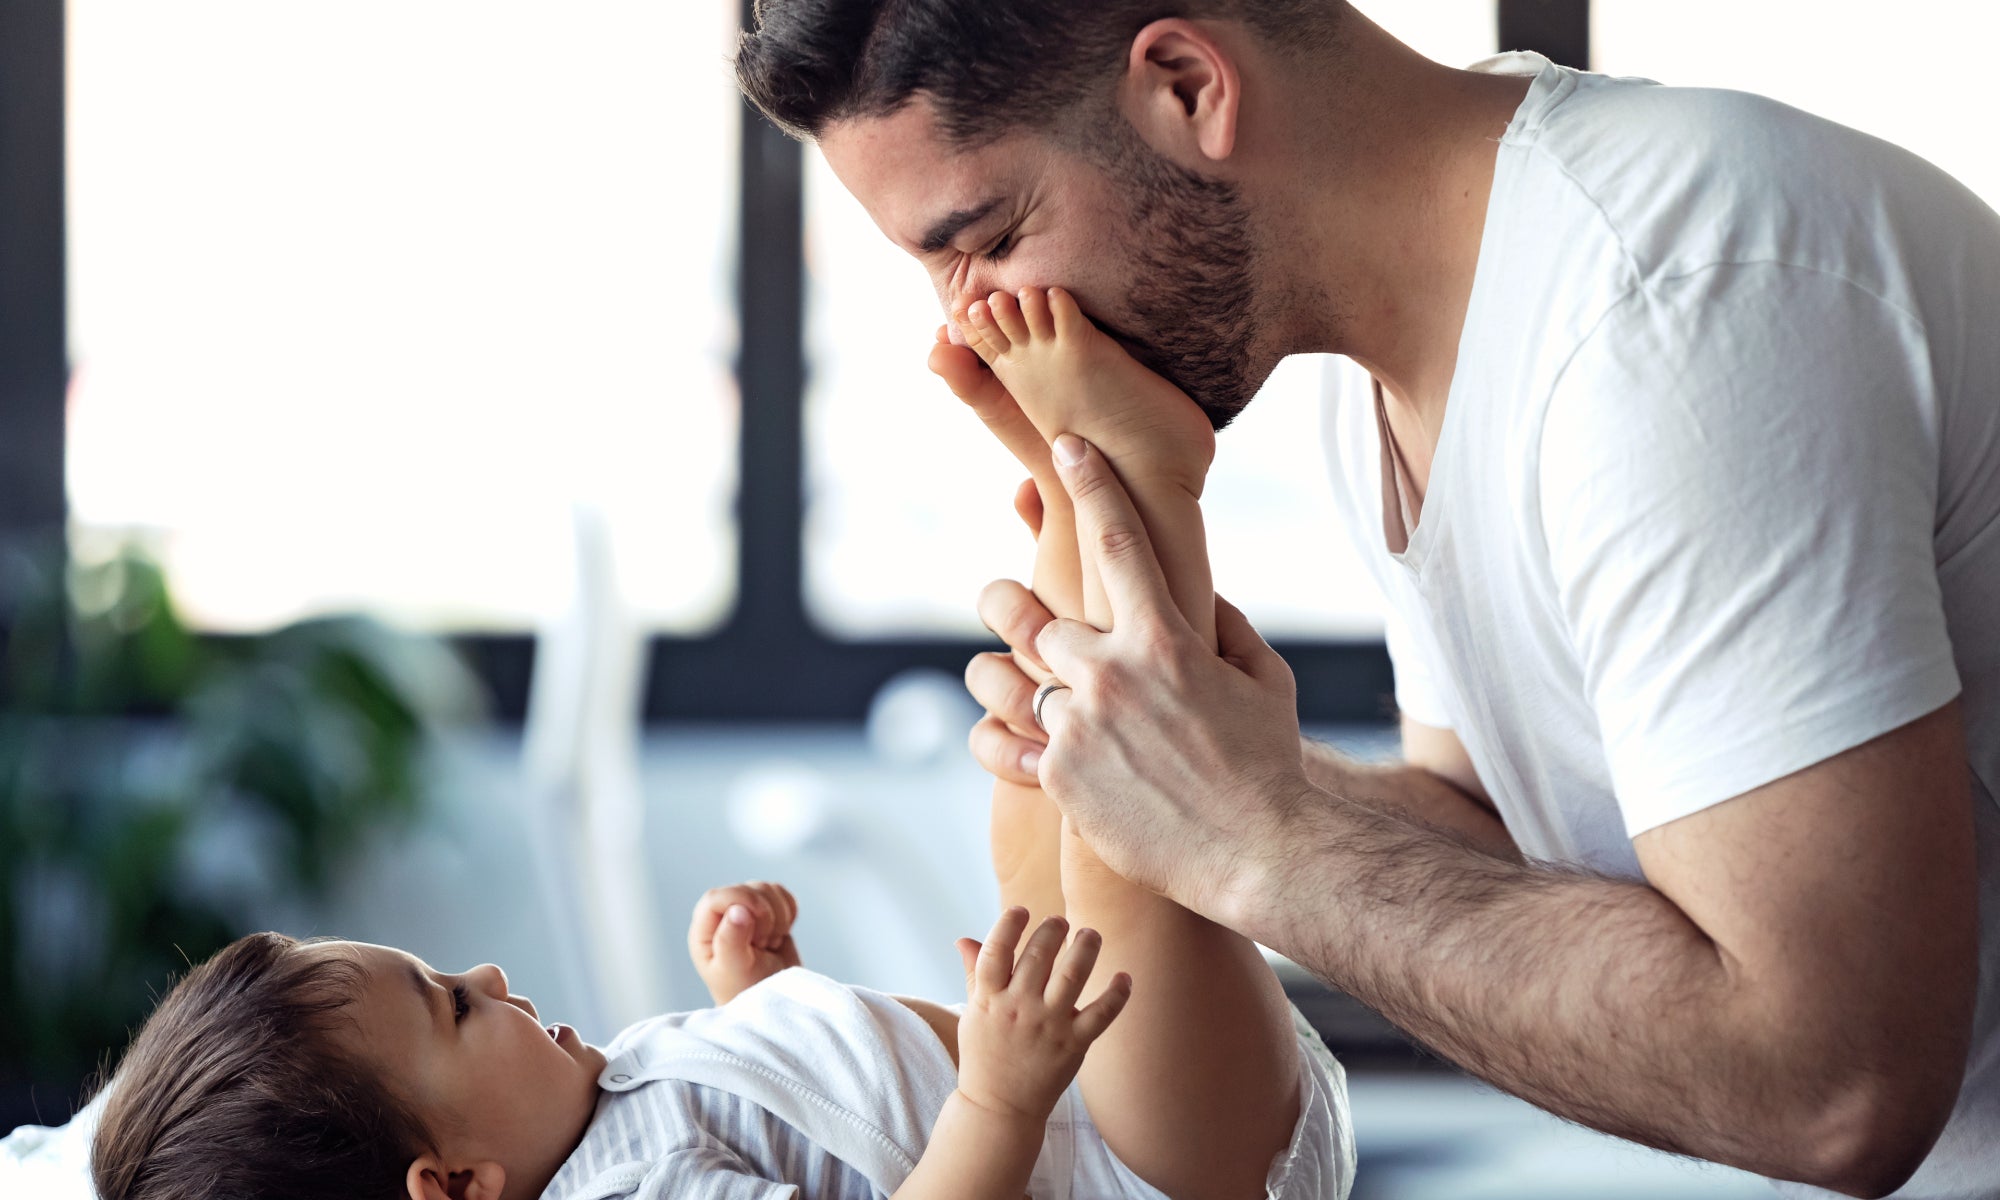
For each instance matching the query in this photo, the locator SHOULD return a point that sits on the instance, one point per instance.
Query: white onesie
(861, 1078)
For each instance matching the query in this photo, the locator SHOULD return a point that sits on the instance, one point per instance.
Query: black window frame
(769, 661)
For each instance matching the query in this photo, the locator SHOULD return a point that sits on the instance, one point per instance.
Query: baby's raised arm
(1020, 1043)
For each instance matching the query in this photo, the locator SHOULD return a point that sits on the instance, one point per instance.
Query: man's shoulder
(1683, 178)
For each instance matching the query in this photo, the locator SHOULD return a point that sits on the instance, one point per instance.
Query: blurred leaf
(122, 733)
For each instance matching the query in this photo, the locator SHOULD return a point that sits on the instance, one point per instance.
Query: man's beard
(1190, 314)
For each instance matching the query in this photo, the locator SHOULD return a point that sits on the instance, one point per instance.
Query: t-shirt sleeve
(710, 1172)
(1738, 486)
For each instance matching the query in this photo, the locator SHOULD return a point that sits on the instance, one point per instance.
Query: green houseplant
(153, 782)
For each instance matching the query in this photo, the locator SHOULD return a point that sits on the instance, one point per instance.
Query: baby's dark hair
(235, 1087)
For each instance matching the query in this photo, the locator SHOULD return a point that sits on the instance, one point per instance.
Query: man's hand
(1174, 763)
(741, 935)
(1022, 1038)
(1006, 741)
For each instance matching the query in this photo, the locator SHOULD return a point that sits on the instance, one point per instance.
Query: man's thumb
(1239, 642)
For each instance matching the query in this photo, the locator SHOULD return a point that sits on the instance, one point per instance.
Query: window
(881, 429)
(1916, 74)
(365, 297)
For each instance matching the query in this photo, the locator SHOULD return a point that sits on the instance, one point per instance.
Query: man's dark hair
(234, 1088)
(989, 65)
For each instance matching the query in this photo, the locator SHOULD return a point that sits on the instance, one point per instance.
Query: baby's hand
(742, 934)
(1022, 1038)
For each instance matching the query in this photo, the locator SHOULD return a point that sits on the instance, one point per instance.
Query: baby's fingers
(734, 935)
(996, 958)
(1031, 973)
(779, 908)
(1094, 1020)
(1073, 970)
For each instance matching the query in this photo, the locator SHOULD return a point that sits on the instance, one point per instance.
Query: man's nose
(490, 979)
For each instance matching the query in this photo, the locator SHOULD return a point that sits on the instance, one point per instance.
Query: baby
(328, 1068)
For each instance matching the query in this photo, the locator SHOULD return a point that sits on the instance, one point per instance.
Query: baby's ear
(423, 1178)
(484, 1181)
(427, 1179)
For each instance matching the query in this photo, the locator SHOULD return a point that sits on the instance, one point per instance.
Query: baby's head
(312, 1070)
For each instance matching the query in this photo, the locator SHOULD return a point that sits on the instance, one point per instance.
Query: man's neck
(1399, 227)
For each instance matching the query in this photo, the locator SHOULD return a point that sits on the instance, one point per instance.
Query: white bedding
(42, 1162)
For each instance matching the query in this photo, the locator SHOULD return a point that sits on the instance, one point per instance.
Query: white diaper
(1075, 1164)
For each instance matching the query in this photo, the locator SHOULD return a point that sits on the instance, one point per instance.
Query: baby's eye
(461, 1002)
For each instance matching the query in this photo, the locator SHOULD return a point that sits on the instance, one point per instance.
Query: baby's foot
(1058, 579)
(1070, 377)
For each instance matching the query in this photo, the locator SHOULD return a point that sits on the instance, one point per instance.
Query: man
(1670, 422)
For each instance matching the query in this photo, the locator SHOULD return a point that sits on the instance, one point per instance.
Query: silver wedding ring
(1042, 695)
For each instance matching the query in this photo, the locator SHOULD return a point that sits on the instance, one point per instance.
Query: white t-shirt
(1717, 494)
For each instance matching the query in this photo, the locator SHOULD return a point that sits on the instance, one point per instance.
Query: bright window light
(366, 298)
(1917, 73)
(1457, 33)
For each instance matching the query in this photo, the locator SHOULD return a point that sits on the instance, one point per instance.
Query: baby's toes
(1068, 319)
(983, 333)
(1035, 310)
(1007, 312)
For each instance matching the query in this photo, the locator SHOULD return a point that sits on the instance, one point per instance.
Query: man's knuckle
(981, 674)
(1020, 701)
(979, 739)
(1112, 682)
(1027, 619)
(1118, 540)
(1054, 772)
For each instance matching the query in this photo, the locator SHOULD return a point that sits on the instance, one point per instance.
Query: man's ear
(427, 1179)
(1181, 91)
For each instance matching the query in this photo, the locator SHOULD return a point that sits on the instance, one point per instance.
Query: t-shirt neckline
(1551, 82)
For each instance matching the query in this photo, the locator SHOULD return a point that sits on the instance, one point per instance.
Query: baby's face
(496, 1085)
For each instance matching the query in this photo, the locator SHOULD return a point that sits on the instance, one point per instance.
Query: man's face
(494, 1083)
(1160, 258)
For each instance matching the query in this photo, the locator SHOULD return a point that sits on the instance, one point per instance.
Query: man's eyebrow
(953, 224)
(424, 991)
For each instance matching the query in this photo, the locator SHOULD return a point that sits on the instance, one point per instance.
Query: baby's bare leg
(1196, 1087)
(1025, 831)
(1027, 827)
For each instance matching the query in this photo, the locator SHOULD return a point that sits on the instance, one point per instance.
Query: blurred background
(467, 483)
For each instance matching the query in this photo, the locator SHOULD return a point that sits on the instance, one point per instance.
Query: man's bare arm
(1792, 994)
(1790, 989)
(1434, 785)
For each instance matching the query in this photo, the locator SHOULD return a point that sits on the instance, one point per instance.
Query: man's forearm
(1409, 792)
(1593, 998)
